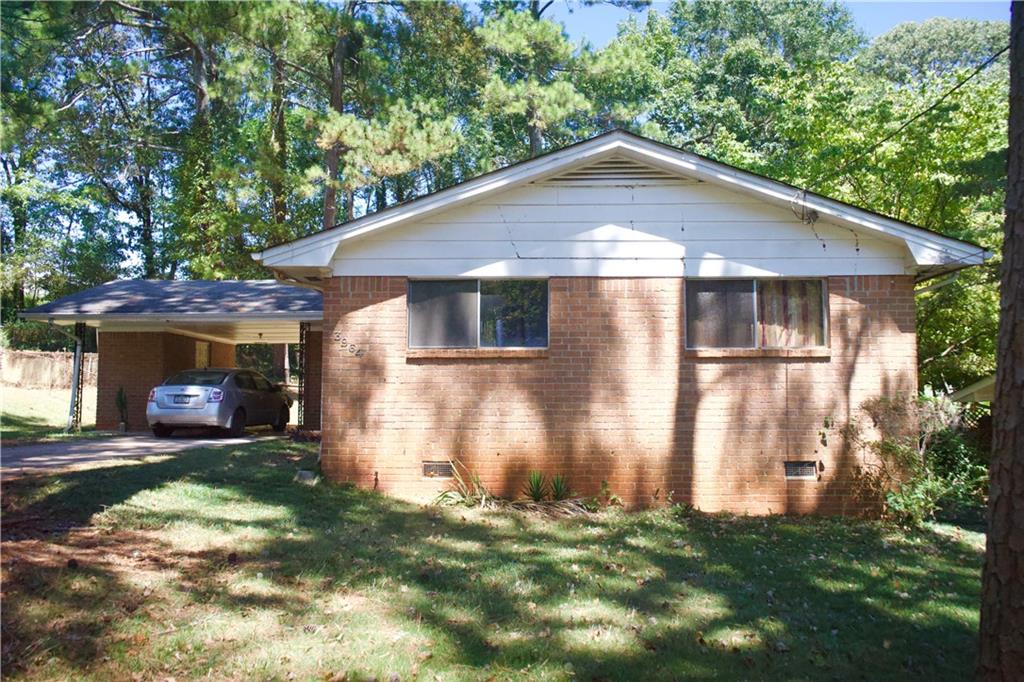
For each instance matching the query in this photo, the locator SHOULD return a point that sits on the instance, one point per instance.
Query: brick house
(621, 312)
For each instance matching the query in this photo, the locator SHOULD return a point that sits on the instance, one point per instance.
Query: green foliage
(560, 488)
(916, 499)
(536, 486)
(26, 335)
(961, 464)
(466, 489)
(607, 498)
(919, 458)
(916, 51)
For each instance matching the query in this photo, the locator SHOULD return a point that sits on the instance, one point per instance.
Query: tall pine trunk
(279, 143)
(1001, 650)
(332, 157)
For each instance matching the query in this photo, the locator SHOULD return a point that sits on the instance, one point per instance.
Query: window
(745, 313)
(202, 354)
(478, 314)
(244, 381)
(196, 378)
(261, 383)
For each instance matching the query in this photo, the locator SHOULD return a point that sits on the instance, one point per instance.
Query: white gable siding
(574, 226)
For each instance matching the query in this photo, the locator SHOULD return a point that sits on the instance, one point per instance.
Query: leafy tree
(712, 94)
(917, 51)
(530, 84)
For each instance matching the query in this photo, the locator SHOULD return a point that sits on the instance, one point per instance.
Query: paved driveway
(17, 459)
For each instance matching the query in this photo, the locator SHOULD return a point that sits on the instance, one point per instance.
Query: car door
(268, 399)
(250, 398)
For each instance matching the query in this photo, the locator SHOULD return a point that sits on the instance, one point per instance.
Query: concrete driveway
(18, 459)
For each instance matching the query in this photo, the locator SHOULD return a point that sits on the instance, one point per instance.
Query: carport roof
(184, 299)
(227, 311)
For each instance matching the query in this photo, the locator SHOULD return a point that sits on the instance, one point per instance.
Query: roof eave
(927, 248)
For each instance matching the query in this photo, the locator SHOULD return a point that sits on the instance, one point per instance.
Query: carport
(149, 329)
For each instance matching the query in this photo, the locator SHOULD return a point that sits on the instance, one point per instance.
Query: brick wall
(615, 398)
(312, 384)
(138, 361)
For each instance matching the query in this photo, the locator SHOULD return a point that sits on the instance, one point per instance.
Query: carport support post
(303, 364)
(75, 409)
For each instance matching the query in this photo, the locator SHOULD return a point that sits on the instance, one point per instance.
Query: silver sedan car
(228, 399)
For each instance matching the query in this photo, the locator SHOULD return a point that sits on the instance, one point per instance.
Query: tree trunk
(147, 241)
(332, 156)
(536, 139)
(278, 142)
(1001, 650)
(19, 224)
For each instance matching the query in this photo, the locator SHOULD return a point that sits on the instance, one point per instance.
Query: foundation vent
(437, 469)
(803, 469)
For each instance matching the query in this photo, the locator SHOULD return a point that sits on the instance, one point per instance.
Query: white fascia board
(318, 250)
(927, 248)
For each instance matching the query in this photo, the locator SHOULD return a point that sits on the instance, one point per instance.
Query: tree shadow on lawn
(660, 595)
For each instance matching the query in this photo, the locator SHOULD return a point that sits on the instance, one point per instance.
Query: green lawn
(33, 414)
(215, 563)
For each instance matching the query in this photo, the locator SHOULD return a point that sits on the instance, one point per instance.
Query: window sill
(758, 352)
(475, 353)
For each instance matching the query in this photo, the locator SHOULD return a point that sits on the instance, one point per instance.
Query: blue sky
(597, 23)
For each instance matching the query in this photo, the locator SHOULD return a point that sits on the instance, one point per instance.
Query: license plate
(182, 399)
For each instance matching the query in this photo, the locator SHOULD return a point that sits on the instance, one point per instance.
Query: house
(623, 312)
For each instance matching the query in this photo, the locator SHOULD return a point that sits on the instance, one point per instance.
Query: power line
(846, 166)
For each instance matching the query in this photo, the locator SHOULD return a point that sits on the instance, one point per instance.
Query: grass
(36, 414)
(215, 563)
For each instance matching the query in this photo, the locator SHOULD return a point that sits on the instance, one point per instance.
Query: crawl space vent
(616, 170)
(437, 469)
(803, 469)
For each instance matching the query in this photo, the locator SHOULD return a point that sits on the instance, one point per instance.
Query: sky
(597, 23)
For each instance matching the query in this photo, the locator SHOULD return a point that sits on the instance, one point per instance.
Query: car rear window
(196, 379)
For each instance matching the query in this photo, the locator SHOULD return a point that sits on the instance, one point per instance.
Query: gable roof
(933, 253)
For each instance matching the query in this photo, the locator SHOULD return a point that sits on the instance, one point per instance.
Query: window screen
(443, 314)
(791, 313)
(514, 313)
(720, 313)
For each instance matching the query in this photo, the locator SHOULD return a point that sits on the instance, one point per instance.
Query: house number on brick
(350, 348)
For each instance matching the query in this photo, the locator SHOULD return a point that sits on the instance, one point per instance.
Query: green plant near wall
(121, 401)
(536, 487)
(559, 488)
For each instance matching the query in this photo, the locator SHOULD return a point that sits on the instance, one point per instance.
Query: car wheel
(237, 426)
(161, 431)
(282, 420)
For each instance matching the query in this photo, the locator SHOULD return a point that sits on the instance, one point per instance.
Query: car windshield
(196, 378)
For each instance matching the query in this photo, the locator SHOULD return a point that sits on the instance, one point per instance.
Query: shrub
(536, 487)
(903, 476)
(962, 464)
(559, 488)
